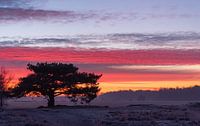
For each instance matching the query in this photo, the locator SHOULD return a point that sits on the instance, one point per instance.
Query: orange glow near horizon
(115, 82)
(147, 85)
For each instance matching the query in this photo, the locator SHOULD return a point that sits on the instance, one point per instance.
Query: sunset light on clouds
(134, 46)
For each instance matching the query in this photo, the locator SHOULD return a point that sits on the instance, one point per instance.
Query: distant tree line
(165, 94)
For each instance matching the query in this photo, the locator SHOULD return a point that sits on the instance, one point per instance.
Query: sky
(135, 44)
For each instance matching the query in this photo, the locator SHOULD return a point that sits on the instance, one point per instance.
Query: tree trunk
(51, 101)
(1, 99)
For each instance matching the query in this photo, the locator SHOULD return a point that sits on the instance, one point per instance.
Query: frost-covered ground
(133, 115)
(25, 112)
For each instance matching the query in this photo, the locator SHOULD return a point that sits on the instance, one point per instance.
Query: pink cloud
(98, 56)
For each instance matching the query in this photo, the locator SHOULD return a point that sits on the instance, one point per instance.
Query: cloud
(161, 69)
(102, 56)
(162, 37)
(176, 40)
(133, 41)
(102, 68)
(15, 12)
(19, 14)
(31, 14)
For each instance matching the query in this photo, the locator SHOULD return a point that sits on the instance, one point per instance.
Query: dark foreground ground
(135, 115)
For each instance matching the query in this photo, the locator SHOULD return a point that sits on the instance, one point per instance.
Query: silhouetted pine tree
(54, 79)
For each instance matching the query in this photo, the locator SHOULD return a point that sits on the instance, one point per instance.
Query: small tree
(54, 79)
(3, 81)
